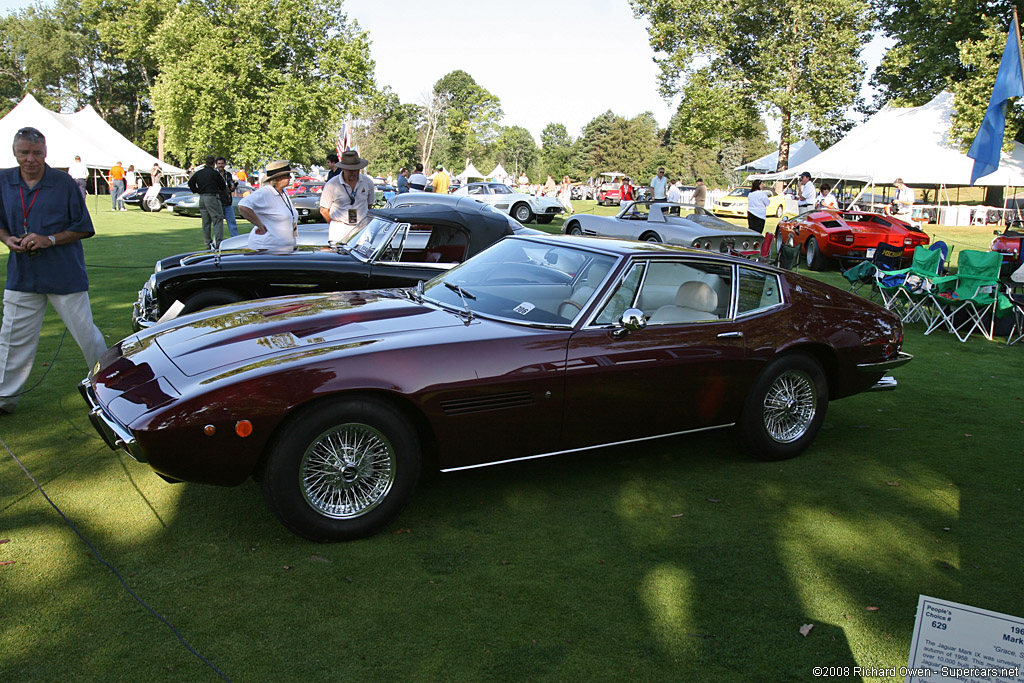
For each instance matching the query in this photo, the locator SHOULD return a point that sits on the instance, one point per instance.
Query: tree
(614, 143)
(468, 117)
(799, 58)
(259, 79)
(556, 150)
(953, 46)
(516, 149)
(389, 138)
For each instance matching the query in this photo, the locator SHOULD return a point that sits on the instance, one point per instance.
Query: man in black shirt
(332, 164)
(210, 185)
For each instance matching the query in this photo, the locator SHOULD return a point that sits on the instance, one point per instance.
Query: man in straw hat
(346, 199)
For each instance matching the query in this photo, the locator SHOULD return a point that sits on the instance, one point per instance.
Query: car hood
(279, 329)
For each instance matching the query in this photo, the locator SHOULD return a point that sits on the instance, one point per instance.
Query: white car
(523, 207)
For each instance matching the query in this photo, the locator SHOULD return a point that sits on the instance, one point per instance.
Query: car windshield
(524, 282)
(379, 235)
(739, 192)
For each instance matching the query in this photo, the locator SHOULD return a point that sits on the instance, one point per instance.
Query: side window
(676, 292)
(500, 189)
(476, 189)
(758, 290)
(623, 297)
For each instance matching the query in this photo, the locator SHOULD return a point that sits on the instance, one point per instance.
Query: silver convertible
(686, 225)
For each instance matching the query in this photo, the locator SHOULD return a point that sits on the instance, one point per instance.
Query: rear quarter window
(758, 290)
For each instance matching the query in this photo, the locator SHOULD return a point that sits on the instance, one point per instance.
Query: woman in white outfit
(271, 212)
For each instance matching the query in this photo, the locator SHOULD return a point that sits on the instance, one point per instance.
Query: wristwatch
(53, 240)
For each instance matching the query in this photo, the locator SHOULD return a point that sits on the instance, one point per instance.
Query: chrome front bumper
(887, 382)
(114, 434)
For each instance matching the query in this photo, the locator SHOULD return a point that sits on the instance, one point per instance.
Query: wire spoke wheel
(347, 471)
(790, 406)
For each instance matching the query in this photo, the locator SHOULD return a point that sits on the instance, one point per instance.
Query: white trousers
(19, 336)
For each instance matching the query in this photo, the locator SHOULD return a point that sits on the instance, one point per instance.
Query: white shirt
(78, 170)
(339, 198)
(905, 197)
(657, 186)
(278, 215)
(829, 201)
(807, 194)
(419, 180)
(757, 203)
(674, 193)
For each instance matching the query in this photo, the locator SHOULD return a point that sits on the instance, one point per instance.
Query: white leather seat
(694, 301)
(585, 288)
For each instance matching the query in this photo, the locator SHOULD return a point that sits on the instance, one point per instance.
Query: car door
(675, 375)
(501, 198)
(631, 223)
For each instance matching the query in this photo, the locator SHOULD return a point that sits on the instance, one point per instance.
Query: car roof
(488, 226)
(621, 247)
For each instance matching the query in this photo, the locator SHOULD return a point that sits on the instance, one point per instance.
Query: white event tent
(469, 172)
(499, 174)
(910, 143)
(799, 152)
(83, 134)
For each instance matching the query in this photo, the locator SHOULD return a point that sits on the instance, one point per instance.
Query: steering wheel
(578, 306)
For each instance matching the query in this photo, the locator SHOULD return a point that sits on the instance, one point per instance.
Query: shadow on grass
(680, 559)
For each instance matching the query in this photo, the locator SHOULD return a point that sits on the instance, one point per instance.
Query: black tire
(208, 298)
(815, 259)
(785, 408)
(544, 220)
(574, 229)
(522, 213)
(650, 237)
(320, 497)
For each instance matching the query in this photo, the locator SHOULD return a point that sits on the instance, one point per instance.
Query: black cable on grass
(109, 566)
(46, 371)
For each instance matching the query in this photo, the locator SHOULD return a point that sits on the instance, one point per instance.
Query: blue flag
(1009, 83)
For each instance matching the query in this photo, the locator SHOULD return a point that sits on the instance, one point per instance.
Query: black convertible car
(397, 248)
(136, 197)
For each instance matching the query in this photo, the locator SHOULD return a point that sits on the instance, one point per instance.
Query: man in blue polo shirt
(42, 220)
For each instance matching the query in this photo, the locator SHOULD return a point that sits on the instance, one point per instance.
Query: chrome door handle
(731, 335)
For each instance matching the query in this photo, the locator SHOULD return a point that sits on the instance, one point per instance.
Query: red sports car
(823, 234)
(1009, 243)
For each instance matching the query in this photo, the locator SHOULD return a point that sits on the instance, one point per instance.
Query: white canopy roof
(500, 174)
(910, 143)
(470, 172)
(799, 152)
(83, 134)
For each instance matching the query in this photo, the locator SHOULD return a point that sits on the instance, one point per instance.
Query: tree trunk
(787, 127)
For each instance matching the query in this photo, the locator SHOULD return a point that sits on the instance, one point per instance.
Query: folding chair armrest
(944, 282)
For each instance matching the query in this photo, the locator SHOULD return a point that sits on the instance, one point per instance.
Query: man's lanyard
(24, 211)
(352, 194)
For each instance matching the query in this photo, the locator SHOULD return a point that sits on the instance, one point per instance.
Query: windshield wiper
(463, 294)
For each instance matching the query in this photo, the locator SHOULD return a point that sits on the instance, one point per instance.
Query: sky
(548, 61)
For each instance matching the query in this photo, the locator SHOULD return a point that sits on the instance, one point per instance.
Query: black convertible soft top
(486, 226)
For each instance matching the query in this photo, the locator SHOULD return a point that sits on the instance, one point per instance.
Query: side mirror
(632, 320)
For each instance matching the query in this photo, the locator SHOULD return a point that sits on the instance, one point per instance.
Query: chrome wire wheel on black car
(347, 471)
(342, 469)
(785, 408)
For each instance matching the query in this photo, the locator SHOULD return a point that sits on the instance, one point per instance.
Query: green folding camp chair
(913, 285)
(962, 301)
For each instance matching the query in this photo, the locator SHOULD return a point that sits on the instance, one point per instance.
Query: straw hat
(276, 169)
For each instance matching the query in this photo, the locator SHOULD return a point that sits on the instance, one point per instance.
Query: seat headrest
(596, 273)
(698, 296)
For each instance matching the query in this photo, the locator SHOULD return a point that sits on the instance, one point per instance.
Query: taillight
(907, 241)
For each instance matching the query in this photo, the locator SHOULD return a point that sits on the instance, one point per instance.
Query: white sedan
(523, 207)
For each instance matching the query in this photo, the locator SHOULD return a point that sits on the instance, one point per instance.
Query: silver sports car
(523, 207)
(686, 225)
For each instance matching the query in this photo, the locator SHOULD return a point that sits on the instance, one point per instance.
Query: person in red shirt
(625, 191)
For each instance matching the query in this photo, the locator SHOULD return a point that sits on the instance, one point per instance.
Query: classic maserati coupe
(685, 225)
(823, 234)
(539, 345)
(434, 238)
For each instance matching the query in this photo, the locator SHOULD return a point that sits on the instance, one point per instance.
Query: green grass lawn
(676, 560)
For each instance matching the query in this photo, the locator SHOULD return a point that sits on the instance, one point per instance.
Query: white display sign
(954, 642)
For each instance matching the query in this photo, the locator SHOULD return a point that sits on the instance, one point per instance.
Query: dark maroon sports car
(537, 346)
